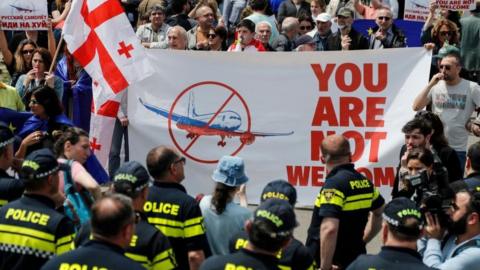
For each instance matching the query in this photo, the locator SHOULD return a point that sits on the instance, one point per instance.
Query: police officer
(401, 228)
(295, 255)
(173, 211)
(336, 233)
(148, 246)
(31, 231)
(113, 224)
(10, 188)
(270, 230)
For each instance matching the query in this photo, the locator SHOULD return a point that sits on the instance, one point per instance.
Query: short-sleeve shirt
(244, 259)
(177, 215)
(295, 256)
(10, 188)
(348, 196)
(32, 232)
(93, 255)
(454, 105)
(148, 246)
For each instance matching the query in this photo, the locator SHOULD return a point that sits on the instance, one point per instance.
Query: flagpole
(54, 60)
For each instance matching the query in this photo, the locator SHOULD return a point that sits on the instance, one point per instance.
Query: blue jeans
(462, 157)
(232, 10)
(119, 133)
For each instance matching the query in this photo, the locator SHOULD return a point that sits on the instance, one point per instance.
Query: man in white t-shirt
(454, 99)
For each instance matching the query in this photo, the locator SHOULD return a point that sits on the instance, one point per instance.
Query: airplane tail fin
(191, 106)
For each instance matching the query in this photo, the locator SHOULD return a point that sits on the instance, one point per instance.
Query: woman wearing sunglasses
(442, 33)
(38, 75)
(18, 54)
(217, 39)
(306, 24)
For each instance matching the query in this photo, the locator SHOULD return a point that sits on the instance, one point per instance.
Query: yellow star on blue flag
(11, 127)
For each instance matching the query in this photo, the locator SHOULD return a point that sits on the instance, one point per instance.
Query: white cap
(323, 17)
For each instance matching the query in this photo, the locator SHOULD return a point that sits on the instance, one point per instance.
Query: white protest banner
(456, 4)
(274, 109)
(416, 10)
(23, 14)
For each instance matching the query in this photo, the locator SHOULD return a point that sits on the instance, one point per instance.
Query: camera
(432, 193)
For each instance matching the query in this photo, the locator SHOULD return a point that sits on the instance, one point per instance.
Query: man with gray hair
(154, 34)
(284, 43)
(177, 38)
(263, 32)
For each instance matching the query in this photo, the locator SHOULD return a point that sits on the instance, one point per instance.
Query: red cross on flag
(100, 37)
(102, 124)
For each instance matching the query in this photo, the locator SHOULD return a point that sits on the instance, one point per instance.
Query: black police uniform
(243, 259)
(295, 256)
(348, 196)
(31, 232)
(93, 255)
(10, 188)
(177, 215)
(391, 258)
(473, 181)
(148, 246)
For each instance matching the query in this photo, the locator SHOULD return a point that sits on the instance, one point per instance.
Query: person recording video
(426, 178)
(460, 247)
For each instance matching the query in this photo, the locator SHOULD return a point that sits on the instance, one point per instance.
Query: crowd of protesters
(55, 215)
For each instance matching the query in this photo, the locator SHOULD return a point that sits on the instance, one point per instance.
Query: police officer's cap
(133, 173)
(39, 164)
(398, 211)
(6, 135)
(279, 189)
(280, 215)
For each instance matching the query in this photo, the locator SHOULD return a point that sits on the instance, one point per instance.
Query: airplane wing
(160, 111)
(261, 134)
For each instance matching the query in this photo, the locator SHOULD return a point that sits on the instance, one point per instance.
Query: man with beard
(453, 99)
(461, 250)
(347, 38)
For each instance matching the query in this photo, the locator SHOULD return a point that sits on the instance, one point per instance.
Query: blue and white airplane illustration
(226, 123)
(24, 9)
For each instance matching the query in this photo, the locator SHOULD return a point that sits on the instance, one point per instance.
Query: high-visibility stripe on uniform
(24, 242)
(143, 260)
(27, 231)
(376, 193)
(65, 244)
(172, 228)
(330, 196)
(284, 267)
(164, 260)
(194, 227)
(3, 202)
(357, 202)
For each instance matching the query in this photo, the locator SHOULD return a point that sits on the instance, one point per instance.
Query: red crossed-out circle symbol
(217, 86)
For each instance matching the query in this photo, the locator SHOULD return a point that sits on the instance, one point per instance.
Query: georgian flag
(100, 37)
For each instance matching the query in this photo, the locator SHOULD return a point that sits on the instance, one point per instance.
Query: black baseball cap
(279, 189)
(39, 164)
(6, 135)
(134, 173)
(280, 215)
(398, 211)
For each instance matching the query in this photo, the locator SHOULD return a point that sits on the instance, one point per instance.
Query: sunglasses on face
(34, 102)
(446, 67)
(211, 35)
(27, 51)
(446, 33)
(303, 27)
(384, 18)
